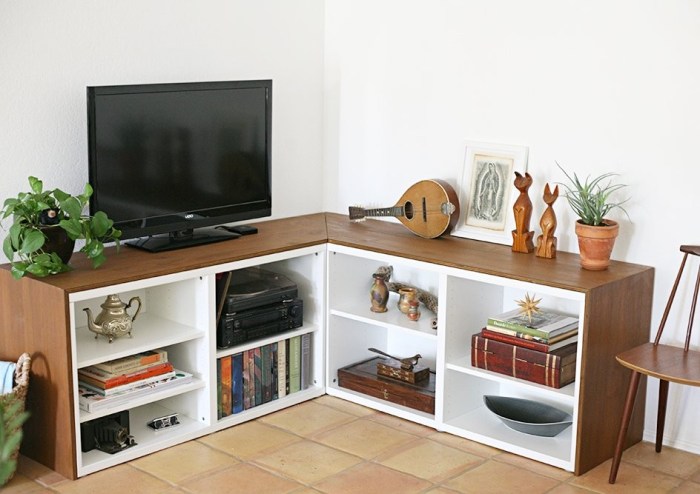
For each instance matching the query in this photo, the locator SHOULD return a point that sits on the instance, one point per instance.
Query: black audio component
(251, 324)
(255, 287)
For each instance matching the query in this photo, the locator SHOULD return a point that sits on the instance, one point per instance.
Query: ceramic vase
(406, 295)
(378, 294)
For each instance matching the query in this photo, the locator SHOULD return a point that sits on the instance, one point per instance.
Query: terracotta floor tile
(497, 477)
(370, 478)
(464, 444)
(248, 440)
(402, 425)
(21, 484)
(534, 466)
(307, 461)
(672, 461)
(630, 478)
(568, 489)
(308, 418)
(429, 460)
(113, 481)
(345, 406)
(241, 478)
(364, 438)
(333, 446)
(183, 461)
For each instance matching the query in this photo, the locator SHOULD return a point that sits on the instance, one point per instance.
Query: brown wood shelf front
(34, 316)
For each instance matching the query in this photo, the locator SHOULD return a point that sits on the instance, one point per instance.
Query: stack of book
(260, 375)
(540, 349)
(117, 381)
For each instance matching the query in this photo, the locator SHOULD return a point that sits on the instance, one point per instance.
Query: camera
(109, 434)
(164, 422)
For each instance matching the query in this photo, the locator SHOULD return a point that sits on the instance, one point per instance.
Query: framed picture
(487, 193)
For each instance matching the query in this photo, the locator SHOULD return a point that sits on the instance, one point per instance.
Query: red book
(99, 379)
(554, 369)
(532, 344)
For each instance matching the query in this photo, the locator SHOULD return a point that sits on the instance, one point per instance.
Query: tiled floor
(332, 446)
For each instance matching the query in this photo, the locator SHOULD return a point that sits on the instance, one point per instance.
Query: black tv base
(182, 239)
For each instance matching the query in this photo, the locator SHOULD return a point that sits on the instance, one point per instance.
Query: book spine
(134, 363)
(305, 360)
(237, 383)
(246, 380)
(257, 375)
(522, 363)
(226, 386)
(294, 364)
(282, 369)
(515, 340)
(219, 404)
(273, 370)
(266, 373)
(518, 328)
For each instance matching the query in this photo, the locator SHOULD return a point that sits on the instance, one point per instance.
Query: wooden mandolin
(428, 208)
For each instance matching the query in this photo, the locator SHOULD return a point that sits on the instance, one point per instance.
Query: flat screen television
(169, 162)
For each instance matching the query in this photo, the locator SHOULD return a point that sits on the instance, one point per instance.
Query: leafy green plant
(591, 199)
(39, 209)
(11, 419)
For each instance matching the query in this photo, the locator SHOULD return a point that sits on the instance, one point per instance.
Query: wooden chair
(664, 362)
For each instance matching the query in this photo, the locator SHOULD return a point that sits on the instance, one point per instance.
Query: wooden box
(392, 368)
(362, 377)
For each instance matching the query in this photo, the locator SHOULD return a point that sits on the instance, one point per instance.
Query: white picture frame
(486, 191)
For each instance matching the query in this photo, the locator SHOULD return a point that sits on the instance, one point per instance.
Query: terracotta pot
(57, 241)
(595, 244)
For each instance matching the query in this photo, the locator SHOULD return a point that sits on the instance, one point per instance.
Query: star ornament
(528, 306)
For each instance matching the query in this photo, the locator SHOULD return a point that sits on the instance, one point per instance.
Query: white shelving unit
(179, 314)
(467, 299)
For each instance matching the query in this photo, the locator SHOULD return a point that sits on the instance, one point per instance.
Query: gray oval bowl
(528, 416)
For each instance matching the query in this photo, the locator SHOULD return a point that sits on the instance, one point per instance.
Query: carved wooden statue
(547, 242)
(522, 209)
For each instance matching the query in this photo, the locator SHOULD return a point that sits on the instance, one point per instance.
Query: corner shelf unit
(475, 280)
(331, 260)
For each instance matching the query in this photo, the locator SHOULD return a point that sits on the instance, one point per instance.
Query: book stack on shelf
(541, 348)
(262, 374)
(115, 382)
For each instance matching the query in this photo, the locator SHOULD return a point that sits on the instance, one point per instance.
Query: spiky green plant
(591, 199)
(24, 244)
(11, 419)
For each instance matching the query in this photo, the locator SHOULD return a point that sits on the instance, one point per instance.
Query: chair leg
(624, 425)
(661, 415)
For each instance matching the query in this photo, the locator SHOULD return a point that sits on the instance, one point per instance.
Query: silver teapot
(114, 321)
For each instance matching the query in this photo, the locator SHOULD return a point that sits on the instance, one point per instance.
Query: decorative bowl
(530, 417)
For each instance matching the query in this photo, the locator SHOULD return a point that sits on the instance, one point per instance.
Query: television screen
(172, 158)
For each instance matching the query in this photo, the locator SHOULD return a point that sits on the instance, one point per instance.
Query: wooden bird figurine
(407, 363)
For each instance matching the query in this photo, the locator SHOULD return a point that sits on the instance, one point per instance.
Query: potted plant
(592, 200)
(45, 226)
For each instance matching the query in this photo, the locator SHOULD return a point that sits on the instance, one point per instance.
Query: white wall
(602, 85)
(50, 51)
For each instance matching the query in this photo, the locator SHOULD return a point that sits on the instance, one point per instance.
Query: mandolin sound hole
(408, 210)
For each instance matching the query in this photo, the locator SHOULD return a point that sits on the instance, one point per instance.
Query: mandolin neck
(395, 211)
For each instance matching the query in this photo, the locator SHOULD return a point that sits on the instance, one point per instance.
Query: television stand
(182, 239)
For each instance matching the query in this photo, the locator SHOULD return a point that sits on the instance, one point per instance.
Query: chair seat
(665, 362)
